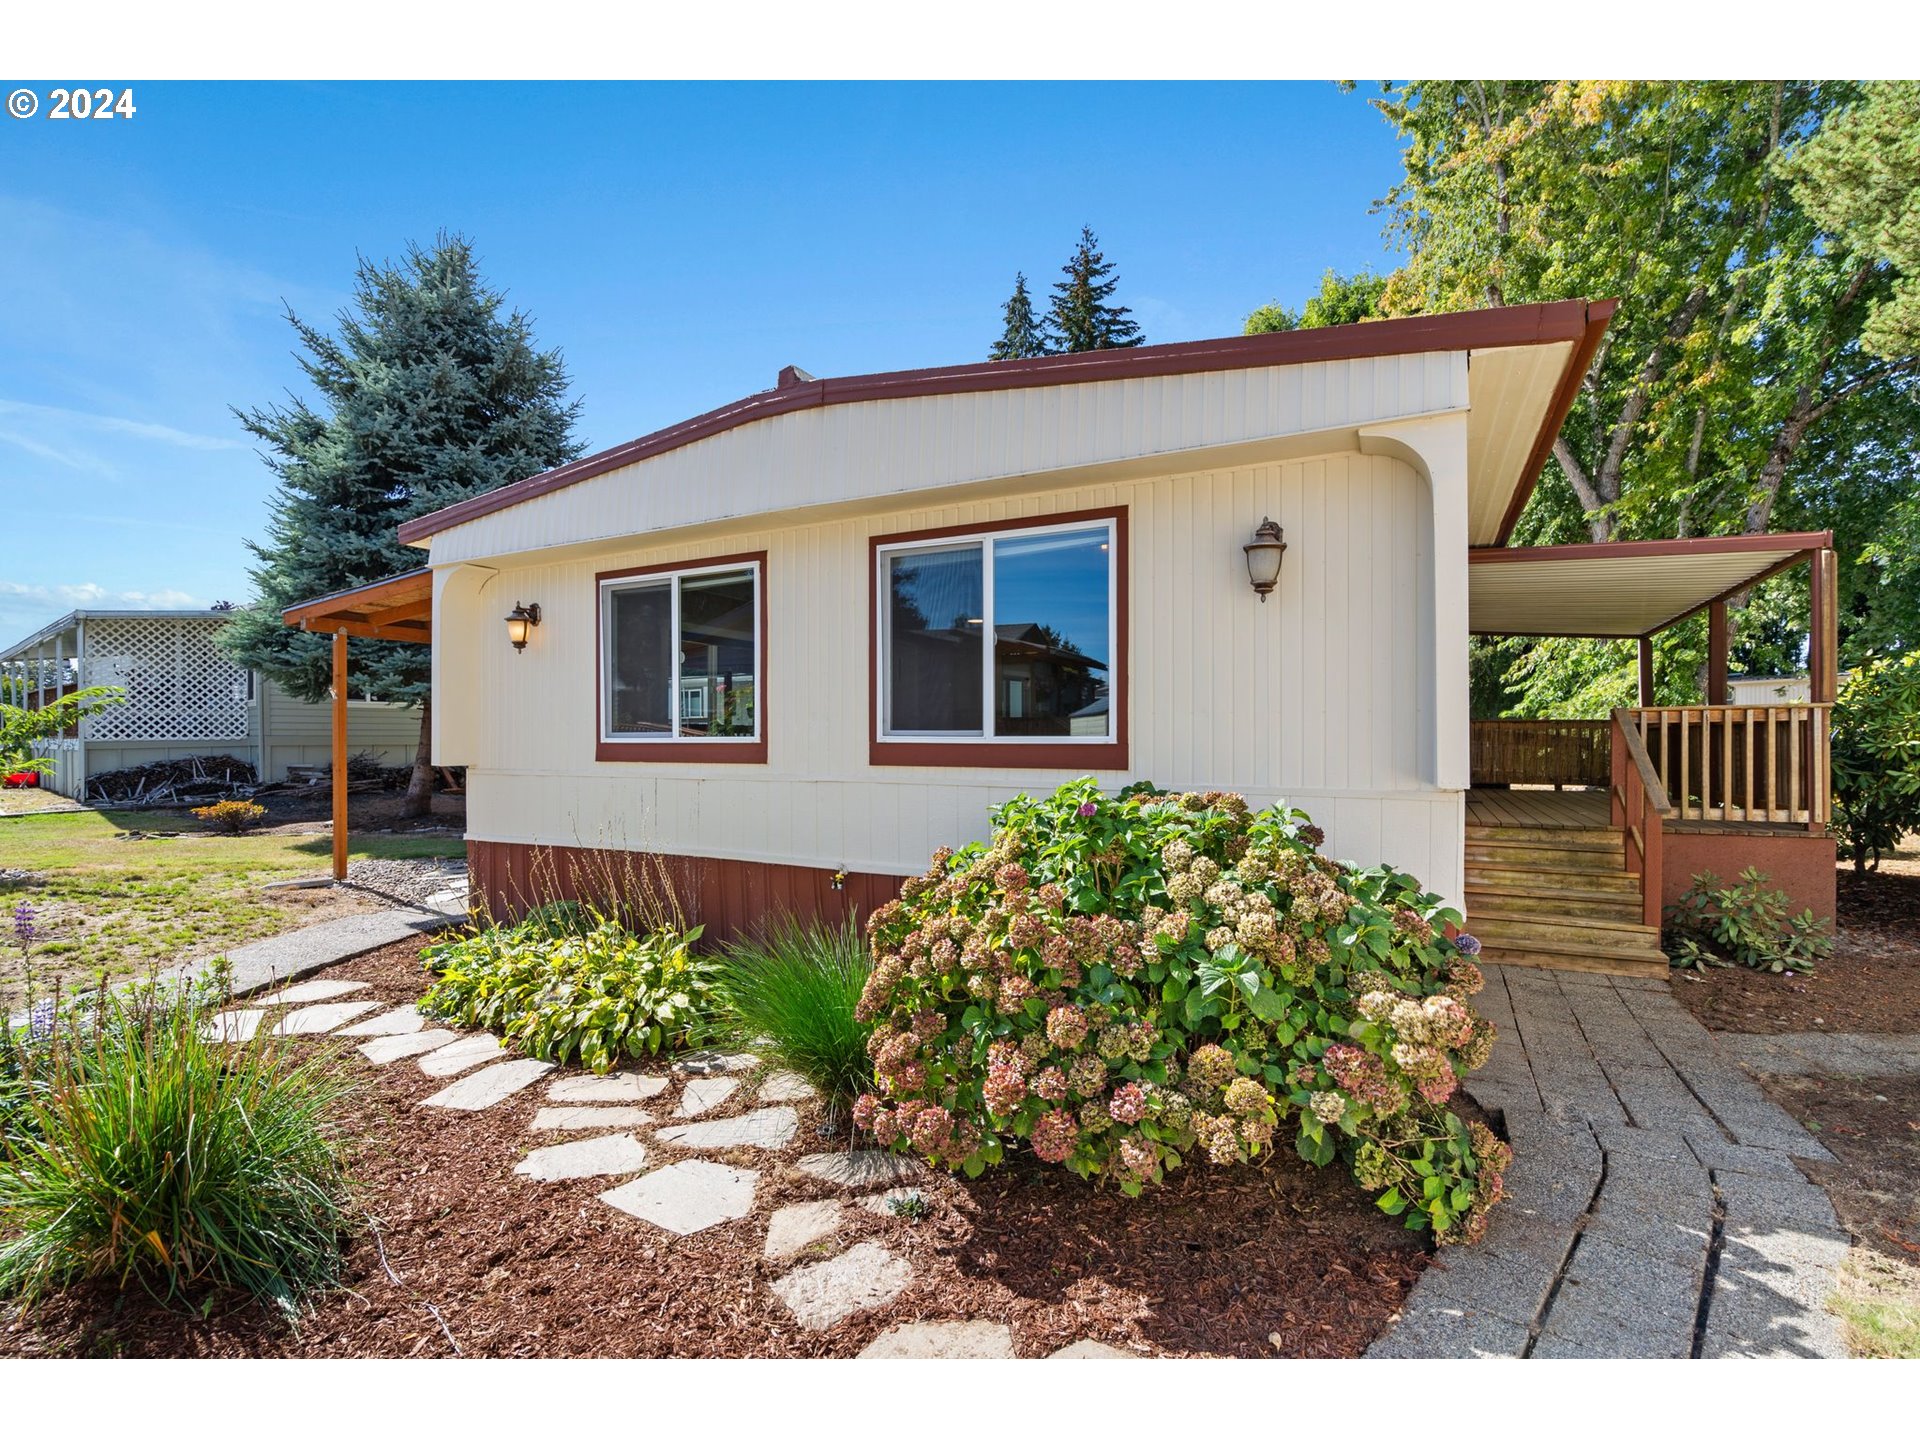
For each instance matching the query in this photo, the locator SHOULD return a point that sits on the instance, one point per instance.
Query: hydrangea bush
(1122, 982)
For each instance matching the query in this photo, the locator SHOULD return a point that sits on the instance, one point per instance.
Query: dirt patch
(1276, 1260)
(1871, 984)
(310, 810)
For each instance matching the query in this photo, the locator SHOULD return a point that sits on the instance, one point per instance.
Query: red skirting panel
(731, 898)
(1801, 865)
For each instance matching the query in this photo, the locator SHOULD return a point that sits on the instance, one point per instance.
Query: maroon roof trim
(1545, 324)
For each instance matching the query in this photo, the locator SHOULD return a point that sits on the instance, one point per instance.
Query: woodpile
(364, 773)
(196, 780)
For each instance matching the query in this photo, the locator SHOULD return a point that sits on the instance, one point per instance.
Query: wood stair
(1559, 898)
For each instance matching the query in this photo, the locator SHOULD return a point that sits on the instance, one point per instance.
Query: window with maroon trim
(1002, 640)
(682, 656)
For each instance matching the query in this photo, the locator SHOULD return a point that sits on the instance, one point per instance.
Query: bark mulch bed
(1277, 1260)
(1871, 984)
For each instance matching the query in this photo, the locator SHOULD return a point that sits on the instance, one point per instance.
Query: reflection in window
(718, 636)
(640, 662)
(935, 624)
(694, 636)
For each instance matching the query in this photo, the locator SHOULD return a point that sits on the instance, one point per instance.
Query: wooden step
(1548, 899)
(1578, 838)
(1547, 929)
(1511, 877)
(1513, 852)
(1656, 969)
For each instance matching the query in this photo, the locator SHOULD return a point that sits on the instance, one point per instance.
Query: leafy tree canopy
(1341, 300)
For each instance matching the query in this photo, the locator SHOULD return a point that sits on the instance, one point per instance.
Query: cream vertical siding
(1323, 696)
(294, 732)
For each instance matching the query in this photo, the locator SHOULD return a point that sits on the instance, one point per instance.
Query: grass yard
(127, 891)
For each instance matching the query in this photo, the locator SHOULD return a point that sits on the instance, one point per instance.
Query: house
(184, 698)
(923, 592)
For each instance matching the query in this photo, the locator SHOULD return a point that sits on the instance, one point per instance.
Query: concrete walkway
(1653, 1207)
(296, 952)
(1855, 1056)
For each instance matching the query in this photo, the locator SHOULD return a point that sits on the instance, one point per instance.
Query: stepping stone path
(861, 1169)
(401, 1020)
(710, 1062)
(484, 1088)
(944, 1340)
(1091, 1350)
(590, 1117)
(794, 1227)
(234, 1027)
(785, 1085)
(700, 1096)
(461, 1055)
(602, 1155)
(607, 1089)
(689, 1197)
(319, 1019)
(313, 990)
(389, 1048)
(768, 1129)
(824, 1293)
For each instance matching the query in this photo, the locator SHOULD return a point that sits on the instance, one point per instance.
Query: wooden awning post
(1646, 670)
(339, 756)
(1823, 629)
(1717, 646)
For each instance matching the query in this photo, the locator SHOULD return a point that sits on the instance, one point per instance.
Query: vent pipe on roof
(790, 376)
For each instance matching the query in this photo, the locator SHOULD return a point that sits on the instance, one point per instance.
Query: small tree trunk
(420, 787)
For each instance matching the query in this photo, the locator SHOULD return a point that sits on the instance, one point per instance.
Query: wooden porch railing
(1639, 804)
(1540, 752)
(1767, 764)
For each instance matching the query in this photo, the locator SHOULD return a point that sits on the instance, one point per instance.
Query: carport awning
(396, 609)
(1622, 590)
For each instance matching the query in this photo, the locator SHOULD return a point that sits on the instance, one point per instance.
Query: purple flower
(1088, 809)
(40, 1019)
(23, 930)
(1467, 944)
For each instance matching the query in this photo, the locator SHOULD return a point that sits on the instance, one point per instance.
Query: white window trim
(672, 579)
(984, 539)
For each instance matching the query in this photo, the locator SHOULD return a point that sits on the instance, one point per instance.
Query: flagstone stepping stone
(401, 1020)
(943, 1340)
(607, 1089)
(489, 1086)
(785, 1085)
(883, 1203)
(712, 1062)
(1091, 1350)
(861, 1169)
(794, 1227)
(577, 1159)
(318, 1019)
(768, 1129)
(685, 1198)
(590, 1117)
(461, 1055)
(313, 990)
(700, 1096)
(826, 1292)
(389, 1048)
(233, 1027)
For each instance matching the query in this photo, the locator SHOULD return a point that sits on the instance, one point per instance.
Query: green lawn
(127, 891)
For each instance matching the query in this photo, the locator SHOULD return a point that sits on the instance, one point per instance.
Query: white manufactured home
(184, 698)
(800, 642)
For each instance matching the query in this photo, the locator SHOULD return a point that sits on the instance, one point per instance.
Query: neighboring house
(925, 592)
(184, 698)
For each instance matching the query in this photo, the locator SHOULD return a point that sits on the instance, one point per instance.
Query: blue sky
(680, 243)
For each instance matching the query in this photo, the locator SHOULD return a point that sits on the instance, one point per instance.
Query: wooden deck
(1540, 809)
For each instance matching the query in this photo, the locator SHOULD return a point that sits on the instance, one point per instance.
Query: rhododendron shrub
(1121, 982)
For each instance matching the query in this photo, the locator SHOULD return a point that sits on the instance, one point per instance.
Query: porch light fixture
(520, 624)
(1263, 557)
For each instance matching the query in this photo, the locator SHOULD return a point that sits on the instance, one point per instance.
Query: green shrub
(144, 1153)
(1742, 924)
(231, 817)
(799, 987)
(1876, 759)
(566, 985)
(1117, 982)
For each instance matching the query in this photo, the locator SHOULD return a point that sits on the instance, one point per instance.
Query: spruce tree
(1080, 316)
(1022, 337)
(429, 393)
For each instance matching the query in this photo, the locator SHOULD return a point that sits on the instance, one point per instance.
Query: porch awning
(1623, 590)
(396, 609)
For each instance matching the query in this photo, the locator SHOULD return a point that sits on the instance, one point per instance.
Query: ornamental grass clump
(1120, 983)
(798, 989)
(142, 1153)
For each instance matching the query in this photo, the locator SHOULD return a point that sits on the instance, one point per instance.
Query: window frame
(674, 749)
(985, 749)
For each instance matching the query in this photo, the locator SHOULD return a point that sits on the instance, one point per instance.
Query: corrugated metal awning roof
(1622, 590)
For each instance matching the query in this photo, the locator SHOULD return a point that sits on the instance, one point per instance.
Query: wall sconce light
(520, 624)
(1263, 557)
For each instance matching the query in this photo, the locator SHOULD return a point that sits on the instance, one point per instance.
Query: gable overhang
(1623, 590)
(1525, 364)
(400, 608)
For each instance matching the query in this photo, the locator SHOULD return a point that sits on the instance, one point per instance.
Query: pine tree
(1080, 317)
(1022, 337)
(428, 394)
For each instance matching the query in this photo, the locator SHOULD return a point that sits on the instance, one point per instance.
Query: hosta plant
(1120, 983)
(568, 985)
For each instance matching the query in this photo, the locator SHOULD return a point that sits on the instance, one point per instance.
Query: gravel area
(411, 882)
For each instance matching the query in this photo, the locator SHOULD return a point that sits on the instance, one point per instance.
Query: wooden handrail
(1639, 804)
(1766, 764)
(1650, 780)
